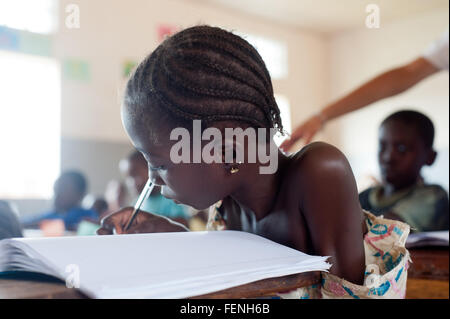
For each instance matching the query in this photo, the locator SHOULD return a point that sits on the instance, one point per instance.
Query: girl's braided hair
(205, 73)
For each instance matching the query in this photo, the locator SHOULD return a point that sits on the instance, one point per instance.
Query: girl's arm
(329, 204)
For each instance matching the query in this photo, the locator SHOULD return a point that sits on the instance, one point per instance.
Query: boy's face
(401, 154)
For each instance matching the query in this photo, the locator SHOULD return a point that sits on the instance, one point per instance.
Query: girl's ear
(431, 157)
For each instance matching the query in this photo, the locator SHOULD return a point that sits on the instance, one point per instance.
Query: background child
(405, 146)
(116, 195)
(9, 223)
(69, 190)
(310, 202)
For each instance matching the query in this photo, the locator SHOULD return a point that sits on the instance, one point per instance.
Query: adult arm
(387, 84)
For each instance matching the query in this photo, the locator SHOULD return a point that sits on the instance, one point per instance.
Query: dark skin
(401, 155)
(310, 203)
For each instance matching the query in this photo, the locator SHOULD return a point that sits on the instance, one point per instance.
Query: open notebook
(157, 265)
(425, 239)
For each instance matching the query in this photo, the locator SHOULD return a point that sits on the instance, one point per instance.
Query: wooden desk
(21, 289)
(429, 263)
(428, 277)
(428, 273)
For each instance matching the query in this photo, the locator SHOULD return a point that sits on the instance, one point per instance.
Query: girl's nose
(155, 178)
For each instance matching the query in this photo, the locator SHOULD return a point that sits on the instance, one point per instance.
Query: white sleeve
(437, 52)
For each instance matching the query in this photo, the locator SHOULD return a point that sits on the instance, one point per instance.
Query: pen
(142, 197)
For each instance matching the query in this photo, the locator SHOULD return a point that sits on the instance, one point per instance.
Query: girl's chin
(196, 205)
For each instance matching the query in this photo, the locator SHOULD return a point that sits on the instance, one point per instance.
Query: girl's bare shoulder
(315, 160)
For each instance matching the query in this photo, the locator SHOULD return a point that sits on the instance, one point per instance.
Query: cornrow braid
(230, 69)
(209, 74)
(227, 42)
(216, 45)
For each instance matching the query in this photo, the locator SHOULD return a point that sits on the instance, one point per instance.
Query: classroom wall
(358, 55)
(321, 68)
(112, 32)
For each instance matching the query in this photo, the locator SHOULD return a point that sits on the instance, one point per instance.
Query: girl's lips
(168, 197)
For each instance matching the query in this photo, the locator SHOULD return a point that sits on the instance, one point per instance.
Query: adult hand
(305, 131)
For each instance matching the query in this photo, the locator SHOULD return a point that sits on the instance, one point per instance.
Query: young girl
(310, 203)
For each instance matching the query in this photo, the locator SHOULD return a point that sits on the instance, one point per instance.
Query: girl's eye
(158, 168)
(401, 148)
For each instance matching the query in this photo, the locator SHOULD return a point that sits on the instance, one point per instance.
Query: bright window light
(39, 16)
(274, 54)
(285, 113)
(29, 125)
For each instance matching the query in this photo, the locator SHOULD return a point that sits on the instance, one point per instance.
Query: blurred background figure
(135, 170)
(116, 195)
(96, 203)
(100, 205)
(88, 226)
(9, 223)
(69, 190)
(405, 146)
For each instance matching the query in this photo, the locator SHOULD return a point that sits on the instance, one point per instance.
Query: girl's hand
(143, 223)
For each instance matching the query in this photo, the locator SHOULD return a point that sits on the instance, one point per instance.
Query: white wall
(321, 68)
(360, 54)
(112, 31)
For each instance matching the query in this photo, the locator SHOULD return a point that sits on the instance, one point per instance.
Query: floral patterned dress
(387, 262)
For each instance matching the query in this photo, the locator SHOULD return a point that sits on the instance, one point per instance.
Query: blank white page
(170, 265)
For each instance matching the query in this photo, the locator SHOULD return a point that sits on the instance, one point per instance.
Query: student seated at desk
(69, 190)
(9, 223)
(98, 204)
(405, 146)
(307, 201)
(135, 168)
(89, 226)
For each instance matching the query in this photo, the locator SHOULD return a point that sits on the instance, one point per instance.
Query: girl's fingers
(115, 222)
(104, 231)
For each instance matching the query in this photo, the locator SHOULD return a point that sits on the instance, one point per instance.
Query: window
(39, 16)
(29, 125)
(274, 54)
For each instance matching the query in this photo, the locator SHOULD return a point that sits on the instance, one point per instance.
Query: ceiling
(328, 15)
